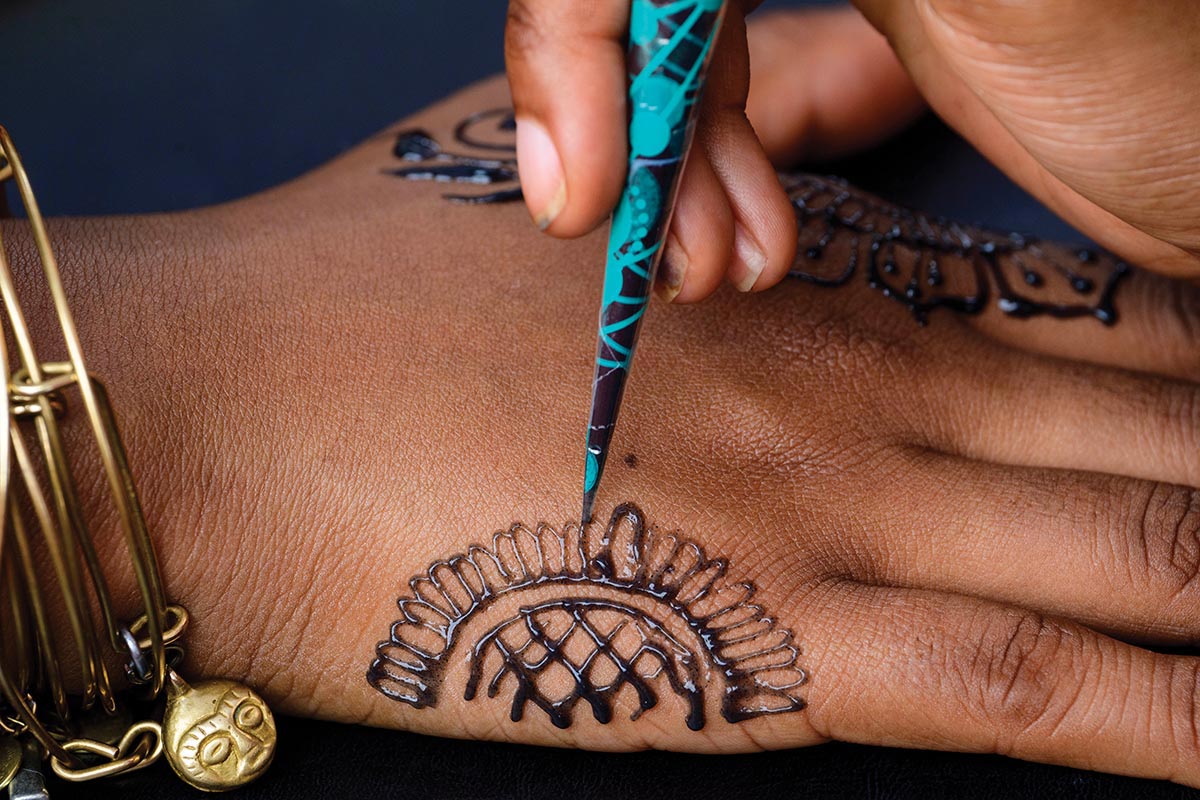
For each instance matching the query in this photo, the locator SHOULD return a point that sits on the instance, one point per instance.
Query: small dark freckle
(631, 461)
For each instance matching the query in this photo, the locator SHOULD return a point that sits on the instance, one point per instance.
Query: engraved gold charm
(10, 759)
(218, 734)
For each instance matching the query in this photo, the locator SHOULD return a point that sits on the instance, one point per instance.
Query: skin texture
(972, 528)
(1092, 107)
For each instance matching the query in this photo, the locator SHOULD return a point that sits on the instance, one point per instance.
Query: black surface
(146, 105)
(321, 760)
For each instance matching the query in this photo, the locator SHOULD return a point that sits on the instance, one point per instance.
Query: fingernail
(672, 271)
(748, 263)
(541, 173)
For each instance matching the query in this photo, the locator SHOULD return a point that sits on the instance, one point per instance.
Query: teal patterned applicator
(670, 43)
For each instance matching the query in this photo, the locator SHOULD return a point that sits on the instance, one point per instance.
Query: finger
(700, 241)
(825, 84)
(997, 404)
(1157, 330)
(1151, 323)
(566, 69)
(947, 66)
(1120, 555)
(931, 670)
(764, 231)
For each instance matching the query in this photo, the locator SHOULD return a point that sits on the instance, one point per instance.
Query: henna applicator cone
(670, 45)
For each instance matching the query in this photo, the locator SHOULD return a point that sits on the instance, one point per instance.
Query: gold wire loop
(23, 408)
(14, 725)
(66, 526)
(20, 383)
(42, 511)
(176, 620)
(140, 747)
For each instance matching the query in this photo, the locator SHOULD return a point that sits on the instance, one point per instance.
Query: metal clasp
(140, 747)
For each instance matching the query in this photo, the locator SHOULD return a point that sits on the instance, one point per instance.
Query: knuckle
(860, 349)
(1165, 522)
(1019, 670)
(1179, 326)
(523, 31)
(1186, 414)
(1183, 701)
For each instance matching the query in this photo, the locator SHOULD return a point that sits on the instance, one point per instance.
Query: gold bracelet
(216, 734)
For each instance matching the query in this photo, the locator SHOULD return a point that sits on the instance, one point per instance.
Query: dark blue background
(140, 105)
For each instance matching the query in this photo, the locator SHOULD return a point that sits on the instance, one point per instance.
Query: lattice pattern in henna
(628, 607)
(614, 646)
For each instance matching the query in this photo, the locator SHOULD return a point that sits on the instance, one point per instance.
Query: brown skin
(329, 385)
(1090, 105)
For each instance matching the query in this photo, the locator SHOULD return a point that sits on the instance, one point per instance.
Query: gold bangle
(215, 734)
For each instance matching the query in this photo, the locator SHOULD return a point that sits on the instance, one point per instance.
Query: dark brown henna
(921, 261)
(593, 612)
(929, 262)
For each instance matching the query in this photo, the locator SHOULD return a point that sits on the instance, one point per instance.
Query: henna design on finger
(592, 617)
(930, 262)
(921, 261)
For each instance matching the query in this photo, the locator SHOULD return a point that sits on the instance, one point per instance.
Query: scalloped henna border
(754, 659)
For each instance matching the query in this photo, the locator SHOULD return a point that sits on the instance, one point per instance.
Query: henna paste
(929, 262)
(921, 261)
(486, 130)
(558, 619)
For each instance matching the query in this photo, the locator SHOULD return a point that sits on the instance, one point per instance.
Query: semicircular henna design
(922, 261)
(585, 615)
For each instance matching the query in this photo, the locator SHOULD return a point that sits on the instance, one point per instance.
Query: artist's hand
(566, 68)
(1092, 107)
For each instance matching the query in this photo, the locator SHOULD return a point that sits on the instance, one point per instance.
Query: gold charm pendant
(10, 759)
(218, 734)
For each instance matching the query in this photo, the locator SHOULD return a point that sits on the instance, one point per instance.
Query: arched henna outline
(621, 606)
(922, 261)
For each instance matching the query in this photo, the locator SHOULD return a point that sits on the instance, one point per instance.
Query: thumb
(566, 69)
